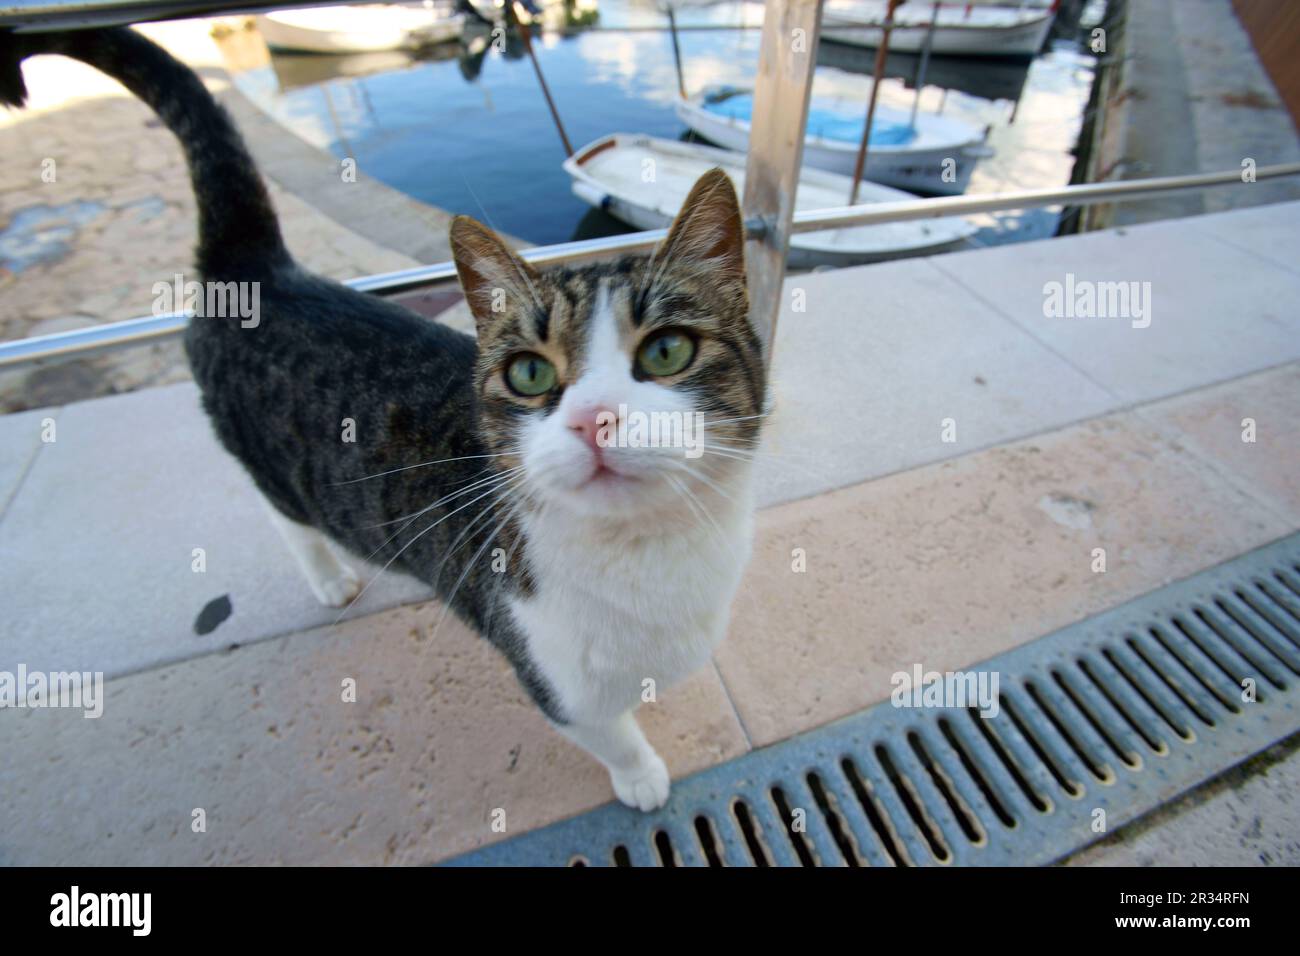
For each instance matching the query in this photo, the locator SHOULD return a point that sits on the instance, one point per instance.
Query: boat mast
(881, 52)
(677, 52)
(526, 33)
(925, 62)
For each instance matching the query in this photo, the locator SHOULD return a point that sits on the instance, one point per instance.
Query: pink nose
(591, 423)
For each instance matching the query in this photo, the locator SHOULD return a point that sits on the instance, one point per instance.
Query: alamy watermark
(211, 300)
(133, 911)
(1085, 299)
(80, 690)
(960, 689)
(630, 429)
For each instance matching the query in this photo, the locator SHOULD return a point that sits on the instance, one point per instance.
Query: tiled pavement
(1071, 434)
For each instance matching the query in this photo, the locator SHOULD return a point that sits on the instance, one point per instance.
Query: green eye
(666, 354)
(530, 375)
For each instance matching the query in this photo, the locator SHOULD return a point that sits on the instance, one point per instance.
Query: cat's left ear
(492, 277)
(708, 233)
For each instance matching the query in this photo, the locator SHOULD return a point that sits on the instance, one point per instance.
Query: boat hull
(372, 35)
(684, 162)
(1018, 40)
(941, 170)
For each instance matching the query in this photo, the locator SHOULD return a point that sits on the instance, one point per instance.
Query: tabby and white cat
(482, 467)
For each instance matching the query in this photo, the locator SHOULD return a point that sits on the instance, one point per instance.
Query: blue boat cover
(827, 124)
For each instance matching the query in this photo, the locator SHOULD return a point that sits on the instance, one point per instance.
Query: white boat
(364, 28)
(961, 29)
(549, 13)
(936, 155)
(643, 181)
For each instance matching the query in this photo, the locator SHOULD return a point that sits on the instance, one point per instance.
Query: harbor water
(466, 127)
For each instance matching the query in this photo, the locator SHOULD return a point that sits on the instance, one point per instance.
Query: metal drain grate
(1120, 712)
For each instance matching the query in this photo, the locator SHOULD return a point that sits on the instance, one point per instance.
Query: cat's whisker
(714, 465)
(699, 476)
(539, 508)
(510, 556)
(492, 506)
(692, 496)
(716, 445)
(677, 487)
(752, 455)
(727, 453)
(491, 483)
(714, 462)
(402, 550)
(473, 483)
(691, 502)
(755, 448)
(694, 502)
(423, 464)
(742, 438)
(727, 421)
(722, 538)
(447, 604)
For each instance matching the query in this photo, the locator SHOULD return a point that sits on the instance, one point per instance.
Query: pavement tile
(1207, 325)
(954, 563)
(1211, 422)
(864, 379)
(20, 437)
(1268, 232)
(1247, 817)
(97, 548)
(439, 739)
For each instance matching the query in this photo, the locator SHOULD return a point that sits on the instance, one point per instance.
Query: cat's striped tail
(239, 234)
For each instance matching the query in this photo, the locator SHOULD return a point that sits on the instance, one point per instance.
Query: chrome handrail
(148, 330)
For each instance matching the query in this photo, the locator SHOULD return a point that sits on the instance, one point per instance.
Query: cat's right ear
(492, 277)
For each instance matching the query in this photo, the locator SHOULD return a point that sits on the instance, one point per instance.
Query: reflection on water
(987, 79)
(294, 70)
(465, 127)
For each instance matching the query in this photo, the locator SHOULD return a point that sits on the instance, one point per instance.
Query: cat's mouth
(603, 476)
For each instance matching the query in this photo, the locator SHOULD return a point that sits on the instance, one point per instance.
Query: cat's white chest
(613, 622)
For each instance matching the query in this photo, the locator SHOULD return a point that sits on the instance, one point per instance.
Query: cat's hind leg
(330, 578)
(639, 775)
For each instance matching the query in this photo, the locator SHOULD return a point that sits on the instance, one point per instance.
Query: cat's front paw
(337, 591)
(646, 787)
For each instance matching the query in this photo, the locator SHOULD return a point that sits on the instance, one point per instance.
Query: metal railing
(787, 58)
(148, 330)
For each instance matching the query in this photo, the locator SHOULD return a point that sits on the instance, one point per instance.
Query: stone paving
(917, 549)
(1183, 92)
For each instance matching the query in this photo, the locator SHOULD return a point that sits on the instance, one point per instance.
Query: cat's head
(615, 386)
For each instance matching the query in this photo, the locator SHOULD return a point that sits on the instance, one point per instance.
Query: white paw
(646, 787)
(338, 590)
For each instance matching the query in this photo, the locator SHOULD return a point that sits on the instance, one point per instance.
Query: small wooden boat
(365, 28)
(961, 29)
(936, 155)
(643, 181)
